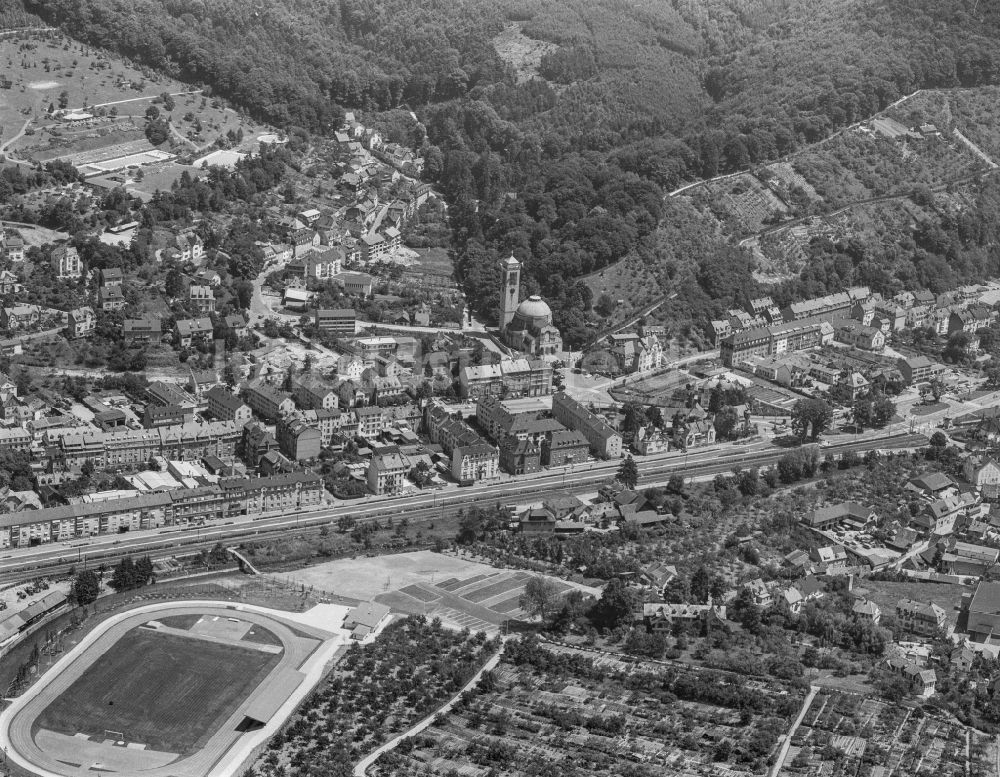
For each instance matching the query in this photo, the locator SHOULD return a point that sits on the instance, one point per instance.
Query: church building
(525, 326)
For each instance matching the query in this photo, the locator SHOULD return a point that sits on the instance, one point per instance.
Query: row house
(447, 430)
(329, 423)
(232, 496)
(969, 320)
(605, 442)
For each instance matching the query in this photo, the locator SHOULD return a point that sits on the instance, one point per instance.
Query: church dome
(532, 313)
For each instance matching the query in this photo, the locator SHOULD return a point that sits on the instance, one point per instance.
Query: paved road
(7, 144)
(137, 99)
(362, 766)
(780, 761)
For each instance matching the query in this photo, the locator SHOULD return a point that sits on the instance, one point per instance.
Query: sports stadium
(180, 689)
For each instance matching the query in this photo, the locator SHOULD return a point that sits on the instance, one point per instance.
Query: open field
(167, 692)
(364, 577)
(52, 70)
(522, 53)
(460, 592)
(656, 389)
(947, 596)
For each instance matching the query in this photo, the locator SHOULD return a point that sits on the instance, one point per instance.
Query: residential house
(520, 457)
(663, 616)
(66, 262)
(20, 317)
(925, 619)
(387, 472)
(984, 474)
(833, 558)
(373, 247)
(12, 246)
(188, 331)
(312, 393)
(236, 325)
(111, 276)
(208, 277)
(269, 403)
(226, 406)
(564, 447)
(970, 320)
(202, 298)
(938, 517)
(81, 323)
(324, 265)
(111, 298)
(10, 283)
(922, 681)
(189, 246)
(867, 610)
(759, 593)
(141, 330)
(472, 463)
(916, 369)
(605, 442)
(298, 440)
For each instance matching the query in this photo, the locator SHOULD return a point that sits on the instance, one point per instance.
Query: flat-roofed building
(337, 321)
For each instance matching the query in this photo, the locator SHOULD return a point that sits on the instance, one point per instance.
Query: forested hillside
(567, 169)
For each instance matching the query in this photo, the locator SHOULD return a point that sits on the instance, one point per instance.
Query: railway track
(189, 541)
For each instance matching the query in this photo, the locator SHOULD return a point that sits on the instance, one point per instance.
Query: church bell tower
(511, 269)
